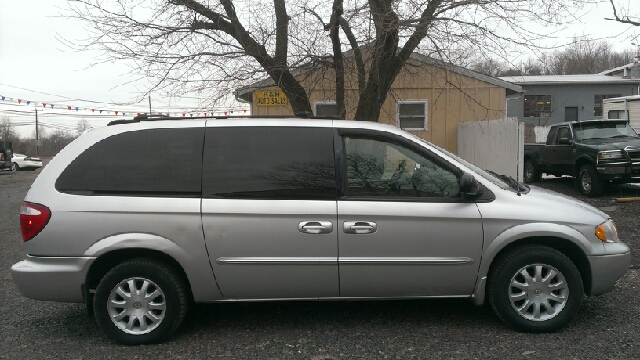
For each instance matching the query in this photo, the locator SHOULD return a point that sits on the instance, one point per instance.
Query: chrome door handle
(359, 227)
(315, 227)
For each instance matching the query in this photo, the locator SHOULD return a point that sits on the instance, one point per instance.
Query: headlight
(613, 154)
(607, 232)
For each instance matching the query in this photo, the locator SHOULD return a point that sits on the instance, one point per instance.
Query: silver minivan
(142, 218)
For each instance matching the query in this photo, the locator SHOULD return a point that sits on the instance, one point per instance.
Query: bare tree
(583, 55)
(213, 47)
(490, 67)
(83, 125)
(621, 14)
(7, 130)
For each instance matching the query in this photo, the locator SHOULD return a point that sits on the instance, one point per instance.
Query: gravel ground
(605, 328)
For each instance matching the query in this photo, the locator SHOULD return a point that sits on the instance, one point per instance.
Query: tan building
(428, 98)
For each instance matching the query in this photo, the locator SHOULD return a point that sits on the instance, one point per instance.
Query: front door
(560, 156)
(269, 211)
(403, 228)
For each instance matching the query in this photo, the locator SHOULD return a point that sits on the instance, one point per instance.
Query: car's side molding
(345, 260)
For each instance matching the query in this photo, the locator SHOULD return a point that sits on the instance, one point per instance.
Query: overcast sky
(35, 66)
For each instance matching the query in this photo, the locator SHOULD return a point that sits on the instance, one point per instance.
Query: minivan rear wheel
(535, 289)
(140, 301)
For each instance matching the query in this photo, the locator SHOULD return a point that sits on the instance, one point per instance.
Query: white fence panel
(496, 145)
(541, 133)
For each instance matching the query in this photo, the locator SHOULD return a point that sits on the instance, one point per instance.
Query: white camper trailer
(625, 107)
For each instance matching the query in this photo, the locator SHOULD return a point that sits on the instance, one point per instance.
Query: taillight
(33, 218)
(1, 157)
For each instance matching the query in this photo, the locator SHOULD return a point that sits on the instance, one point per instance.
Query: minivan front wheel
(535, 289)
(141, 301)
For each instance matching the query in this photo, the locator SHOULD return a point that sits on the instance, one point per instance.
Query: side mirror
(469, 185)
(565, 141)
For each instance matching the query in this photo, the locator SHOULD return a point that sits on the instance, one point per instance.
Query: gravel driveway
(607, 327)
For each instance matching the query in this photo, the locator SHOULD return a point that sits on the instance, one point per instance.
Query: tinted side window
(269, 163)
(564, 132)
(146, 162)
(377, 168)
(552, 135)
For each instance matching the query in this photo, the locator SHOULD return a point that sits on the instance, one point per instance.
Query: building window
(412, 115)
(537, 106)
(597, 103)
(616, 114)
(325, 108)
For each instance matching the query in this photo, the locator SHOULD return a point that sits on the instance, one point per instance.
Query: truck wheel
(589, 181)
(531, 173)
(141, 301)
(535, 289)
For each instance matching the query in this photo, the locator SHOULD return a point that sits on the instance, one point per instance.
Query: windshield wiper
(620, 136)
(510, 181)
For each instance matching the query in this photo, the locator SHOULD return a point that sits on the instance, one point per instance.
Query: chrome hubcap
(137, 306)
(538, 292)
(529, 172)
(585, 178)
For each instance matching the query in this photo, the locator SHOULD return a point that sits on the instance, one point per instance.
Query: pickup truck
(6, 152)
(595, 152)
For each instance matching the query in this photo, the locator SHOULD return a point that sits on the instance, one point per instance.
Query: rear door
(404, 229)
(269, 211)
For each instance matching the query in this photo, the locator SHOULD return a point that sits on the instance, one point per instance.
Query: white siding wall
(634, 114)
(632, 106)
(541, 133)
(496, 145)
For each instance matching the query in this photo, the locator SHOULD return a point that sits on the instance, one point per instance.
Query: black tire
(531, 172)
(146, 318)
(15, 167)
(589, 181)
(557, 299)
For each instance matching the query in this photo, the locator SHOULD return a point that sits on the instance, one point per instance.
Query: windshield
(603, 130)
(494, 179)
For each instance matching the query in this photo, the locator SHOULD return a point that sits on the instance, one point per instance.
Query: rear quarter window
(138, 163)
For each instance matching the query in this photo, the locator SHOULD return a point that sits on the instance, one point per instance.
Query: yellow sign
(271, 98)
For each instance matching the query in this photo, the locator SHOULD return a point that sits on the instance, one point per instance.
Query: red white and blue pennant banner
(118, 112)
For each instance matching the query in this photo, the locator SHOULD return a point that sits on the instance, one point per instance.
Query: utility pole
(149, 105)
(37, 137)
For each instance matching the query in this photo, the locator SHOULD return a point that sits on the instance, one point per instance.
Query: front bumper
(51, 278)
(622, 172)
(606, 270)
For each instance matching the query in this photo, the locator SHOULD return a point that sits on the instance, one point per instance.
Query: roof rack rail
(145, 117)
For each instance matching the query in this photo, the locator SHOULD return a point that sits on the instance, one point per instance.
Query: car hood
(611, 144)
(549, 197)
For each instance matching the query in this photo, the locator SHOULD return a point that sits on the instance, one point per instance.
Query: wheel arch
(580, 161)
(565, 246)
(109, 260)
